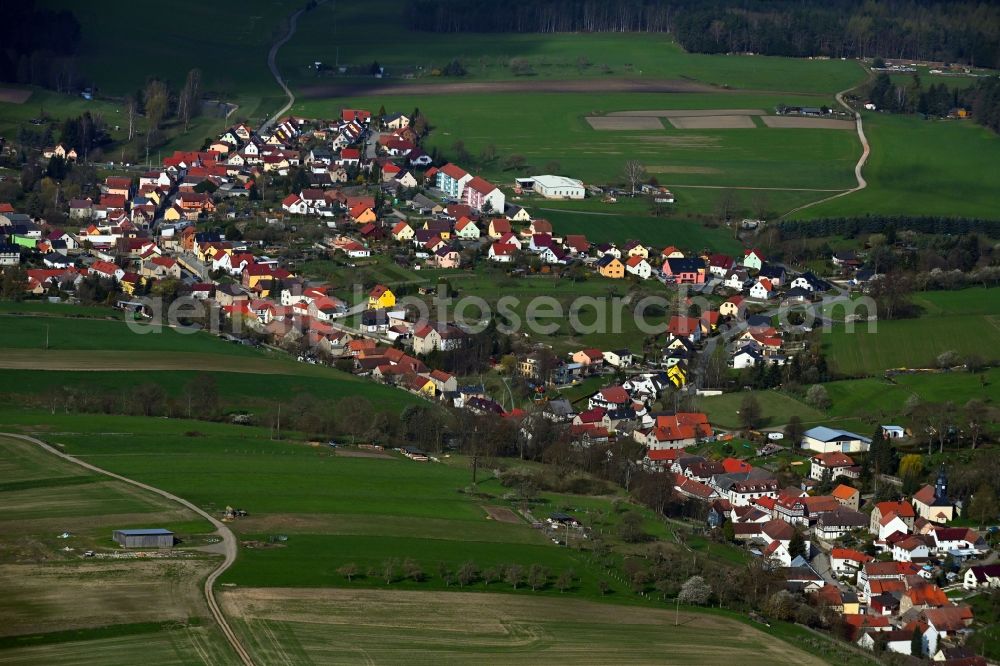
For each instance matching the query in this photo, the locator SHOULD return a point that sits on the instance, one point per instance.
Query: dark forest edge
(963, 31)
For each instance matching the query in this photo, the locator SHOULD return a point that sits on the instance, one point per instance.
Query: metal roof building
(146, 538)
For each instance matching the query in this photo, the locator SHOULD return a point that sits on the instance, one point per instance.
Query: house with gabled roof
(502, 253)
(685, 270)
(498, 227)
(480, 194)
(452, 179)
(753, 259)
(381, 297)
(638, 266)
(610, 266)
(466, 229)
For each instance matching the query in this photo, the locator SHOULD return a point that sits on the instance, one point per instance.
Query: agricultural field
(963, 321)
(878, 400)
(923, 167)
(339, 35)
(552, 127)
(345, 626)
(60, 608)
(101, 355)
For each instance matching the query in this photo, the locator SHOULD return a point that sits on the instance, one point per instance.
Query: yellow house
(363, 214)
(612, 268)
(278, 165)
(208, 250)
(421, 385)
(172, 214)
(402, 232)
(639, 250)
(852, 606)
(381, 297)
(677, 375)
(130, 283)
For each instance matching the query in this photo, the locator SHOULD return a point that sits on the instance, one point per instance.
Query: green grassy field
(943, 167)
(449, 628)
(630, 219)
(861, 404)
(544, 127)
(776, 408)
(107, 356)
(564, 56)
(964, 321)
(58, 608)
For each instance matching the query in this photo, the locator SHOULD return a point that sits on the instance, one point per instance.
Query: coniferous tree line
(852, 226)
(38, 45)
(962, 31)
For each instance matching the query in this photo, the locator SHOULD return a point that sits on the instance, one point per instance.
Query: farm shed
(150, 538)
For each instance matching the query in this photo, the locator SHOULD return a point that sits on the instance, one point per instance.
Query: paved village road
(228, 539)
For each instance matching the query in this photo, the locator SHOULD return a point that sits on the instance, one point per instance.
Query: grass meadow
(106, 356)
(545, 127)
(342, 34)
(923, 167)
(964, 321)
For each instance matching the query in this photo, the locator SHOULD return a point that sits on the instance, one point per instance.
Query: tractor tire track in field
(228, 539)
(865, 153)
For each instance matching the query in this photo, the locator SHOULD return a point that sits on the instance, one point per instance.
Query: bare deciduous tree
(131, 113)
(635, 173)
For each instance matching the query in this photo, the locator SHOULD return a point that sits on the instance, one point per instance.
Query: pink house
(447, 257)
(685, 271)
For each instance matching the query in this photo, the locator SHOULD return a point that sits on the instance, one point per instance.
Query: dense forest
(38, 45)
(956, 31)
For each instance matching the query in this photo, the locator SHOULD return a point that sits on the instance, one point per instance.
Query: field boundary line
(228, 539)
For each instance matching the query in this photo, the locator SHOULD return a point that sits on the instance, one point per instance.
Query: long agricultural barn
(151, 538)
(552, 187)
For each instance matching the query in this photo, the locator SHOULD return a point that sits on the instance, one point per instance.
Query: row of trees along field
(937, 100)
(961, 31)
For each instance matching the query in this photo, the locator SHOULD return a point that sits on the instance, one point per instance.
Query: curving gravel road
(865, 152)
(272, 63)
(228, 539)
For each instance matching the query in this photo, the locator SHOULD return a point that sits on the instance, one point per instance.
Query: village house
(834, 464)
(883, 514)
(685, 271)
(437, 336)
(610, 266)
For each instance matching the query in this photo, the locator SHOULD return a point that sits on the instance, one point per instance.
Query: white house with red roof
(481, 194)
(847, 561)
(610, 398)
(762, 290)
(502, 253)
(294, 204)
(638, 266)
